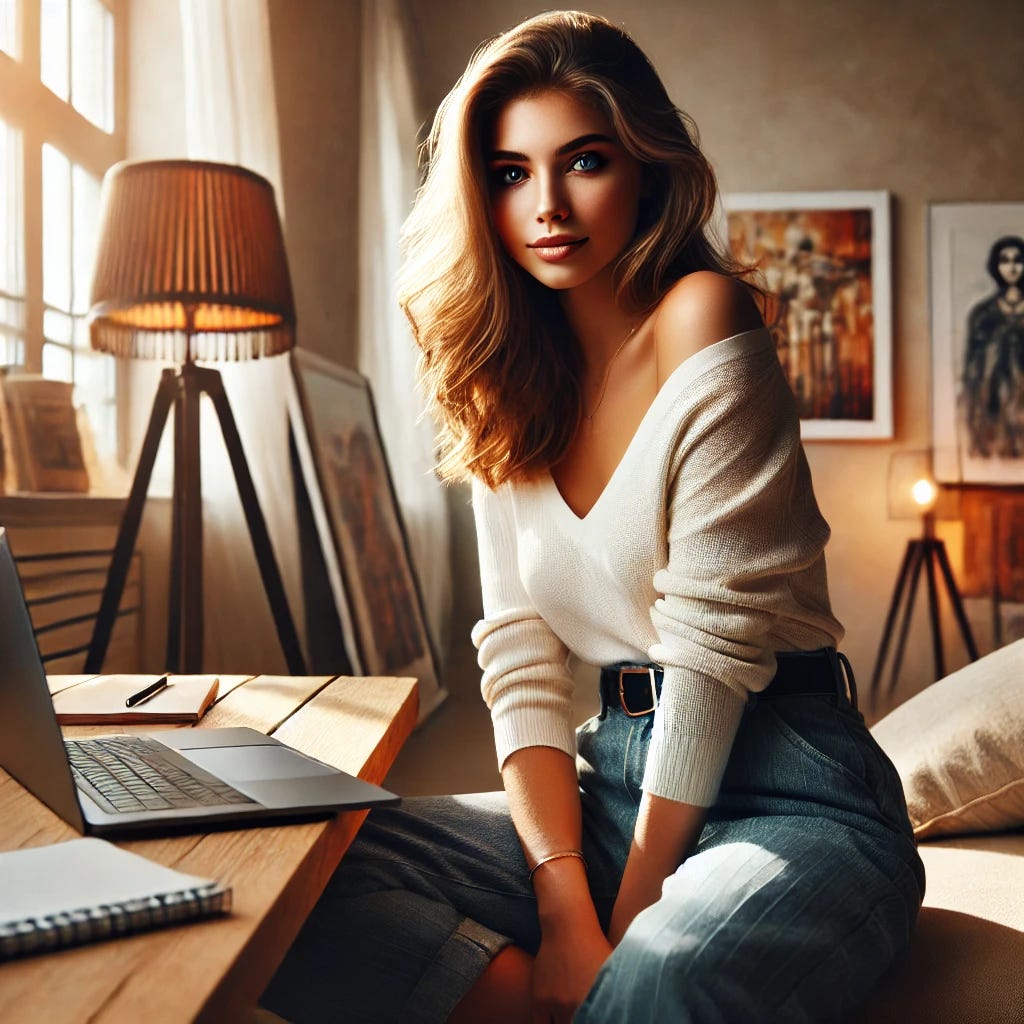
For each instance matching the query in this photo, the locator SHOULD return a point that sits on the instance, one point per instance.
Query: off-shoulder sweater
(703, 554)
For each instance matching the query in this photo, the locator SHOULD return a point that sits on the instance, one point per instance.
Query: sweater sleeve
(742, 523)
(526, 681)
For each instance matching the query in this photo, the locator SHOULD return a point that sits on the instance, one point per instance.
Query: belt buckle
(624, 697)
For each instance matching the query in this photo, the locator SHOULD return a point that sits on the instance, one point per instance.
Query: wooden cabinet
(62, 545)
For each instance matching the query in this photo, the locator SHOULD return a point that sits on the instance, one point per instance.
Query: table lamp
(913, 492)
(190, 266)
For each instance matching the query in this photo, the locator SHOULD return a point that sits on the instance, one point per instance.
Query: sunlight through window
(12, 249)
(76, 56)
(71, 200)
(9, 27)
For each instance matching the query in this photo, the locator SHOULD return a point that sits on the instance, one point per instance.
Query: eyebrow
(583, 140)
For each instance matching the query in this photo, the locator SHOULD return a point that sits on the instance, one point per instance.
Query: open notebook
(104, 699)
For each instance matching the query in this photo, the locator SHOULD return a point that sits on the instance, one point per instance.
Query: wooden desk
(215, 970)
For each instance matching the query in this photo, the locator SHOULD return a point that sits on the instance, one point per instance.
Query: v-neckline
(693, 365)
(618, 465)
(550, 479)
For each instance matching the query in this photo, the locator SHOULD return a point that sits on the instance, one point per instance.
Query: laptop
(168, 781)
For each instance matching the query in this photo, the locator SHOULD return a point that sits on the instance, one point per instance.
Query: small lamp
(190, 266)
(914, 492)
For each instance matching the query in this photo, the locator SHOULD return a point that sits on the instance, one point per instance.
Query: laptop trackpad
(256, 763)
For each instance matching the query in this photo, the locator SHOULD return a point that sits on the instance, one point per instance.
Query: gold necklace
(589, 417)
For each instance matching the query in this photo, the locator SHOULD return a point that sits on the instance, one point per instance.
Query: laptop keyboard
(130, 775)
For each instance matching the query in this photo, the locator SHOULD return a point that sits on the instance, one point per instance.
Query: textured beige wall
(920, 97)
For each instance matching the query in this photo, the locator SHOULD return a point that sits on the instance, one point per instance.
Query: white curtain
(230, 117)
(387, 353)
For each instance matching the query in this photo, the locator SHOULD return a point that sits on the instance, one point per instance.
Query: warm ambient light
(190, 264)
(925, 492)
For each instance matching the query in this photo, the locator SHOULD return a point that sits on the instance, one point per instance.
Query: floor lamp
(913, 492)
(190, 267)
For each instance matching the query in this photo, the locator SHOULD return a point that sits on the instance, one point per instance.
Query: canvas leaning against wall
(360, 527)
(977, 305)
(825, 258)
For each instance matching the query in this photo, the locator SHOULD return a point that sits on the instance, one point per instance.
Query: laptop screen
(31, 747)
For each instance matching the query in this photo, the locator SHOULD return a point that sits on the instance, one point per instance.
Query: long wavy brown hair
(499, 362)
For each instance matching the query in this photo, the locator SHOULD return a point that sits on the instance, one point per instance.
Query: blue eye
(587, 162)
(510, 175)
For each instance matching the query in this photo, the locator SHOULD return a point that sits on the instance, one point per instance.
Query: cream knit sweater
(704, 553)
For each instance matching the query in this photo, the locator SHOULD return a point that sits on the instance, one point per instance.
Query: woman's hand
(573, 947)
(564, 971)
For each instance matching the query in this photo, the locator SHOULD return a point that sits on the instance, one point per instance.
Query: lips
(553, 248)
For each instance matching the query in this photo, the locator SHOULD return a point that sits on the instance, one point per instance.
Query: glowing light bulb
(924, 492)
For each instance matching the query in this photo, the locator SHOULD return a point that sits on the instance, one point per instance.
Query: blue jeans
(802, 891)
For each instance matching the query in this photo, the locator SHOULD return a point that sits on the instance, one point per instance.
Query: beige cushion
(964, 963)
(959, 747)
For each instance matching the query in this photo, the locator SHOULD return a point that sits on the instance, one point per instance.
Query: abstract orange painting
(824, 260)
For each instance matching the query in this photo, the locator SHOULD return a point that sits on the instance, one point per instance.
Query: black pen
(147, 692)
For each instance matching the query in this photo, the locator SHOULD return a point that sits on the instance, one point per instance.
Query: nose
(552, 207)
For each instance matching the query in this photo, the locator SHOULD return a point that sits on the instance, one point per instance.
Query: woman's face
(1010, 264)
(564, 191)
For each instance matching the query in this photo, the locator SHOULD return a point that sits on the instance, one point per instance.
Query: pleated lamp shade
(191, 264)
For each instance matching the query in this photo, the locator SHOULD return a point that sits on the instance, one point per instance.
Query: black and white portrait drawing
(993, 381)
(977, 298)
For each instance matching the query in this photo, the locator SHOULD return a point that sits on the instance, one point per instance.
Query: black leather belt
(635, 689)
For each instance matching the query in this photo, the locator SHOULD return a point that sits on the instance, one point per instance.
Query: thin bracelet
(558, 856)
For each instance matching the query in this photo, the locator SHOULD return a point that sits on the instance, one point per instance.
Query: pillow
(959, 747)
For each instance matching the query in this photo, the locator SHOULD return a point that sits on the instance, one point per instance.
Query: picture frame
(826, 262)
(40, 435)
(359, 525)
(977, 343)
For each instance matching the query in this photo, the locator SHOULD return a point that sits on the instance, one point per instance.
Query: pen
(147, 692)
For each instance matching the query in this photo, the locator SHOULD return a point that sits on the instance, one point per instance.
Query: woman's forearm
(665, 833)
(543, 794)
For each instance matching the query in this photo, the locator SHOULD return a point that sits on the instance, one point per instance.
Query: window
(7, 30)
(12, 284)
(62, 76)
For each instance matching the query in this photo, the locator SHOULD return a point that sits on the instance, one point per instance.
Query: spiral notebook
(86, 890)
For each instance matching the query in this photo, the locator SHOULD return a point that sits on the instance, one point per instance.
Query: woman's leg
(802, 892)
(502, 994)
(427, 895)
(786, 923)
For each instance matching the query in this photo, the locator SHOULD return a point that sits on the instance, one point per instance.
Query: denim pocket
(833, 736)
(814, 726)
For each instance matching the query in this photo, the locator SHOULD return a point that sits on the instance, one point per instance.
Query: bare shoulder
(700, 309)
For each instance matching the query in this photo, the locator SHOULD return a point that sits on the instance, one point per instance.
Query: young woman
(725, 842)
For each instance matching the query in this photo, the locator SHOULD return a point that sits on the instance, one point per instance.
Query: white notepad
(88, 889)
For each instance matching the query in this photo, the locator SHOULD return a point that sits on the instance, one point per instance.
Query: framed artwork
(977, 305)
(825, 257)
(40, 444)
(359, 525)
